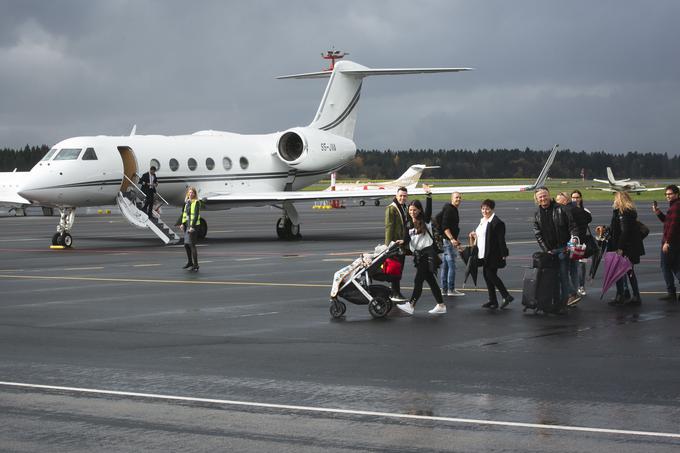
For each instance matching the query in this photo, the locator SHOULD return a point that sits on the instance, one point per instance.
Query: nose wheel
(63, 236)
(64, 239)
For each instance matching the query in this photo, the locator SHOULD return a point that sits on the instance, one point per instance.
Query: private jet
(10, 181)
(409, 180)
(229, 170)
(622, 185)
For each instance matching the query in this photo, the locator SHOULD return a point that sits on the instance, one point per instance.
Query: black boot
(670, 297)
(617, 301)
(190, 262)
(492, 304)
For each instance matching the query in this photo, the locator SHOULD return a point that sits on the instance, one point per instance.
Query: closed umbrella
(615, 267)
(597, 257)
(470, 257)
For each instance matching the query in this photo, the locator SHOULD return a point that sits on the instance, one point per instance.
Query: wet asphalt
(117, 313)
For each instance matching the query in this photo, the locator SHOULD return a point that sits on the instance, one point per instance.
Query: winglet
(543, 175)
(133, 131)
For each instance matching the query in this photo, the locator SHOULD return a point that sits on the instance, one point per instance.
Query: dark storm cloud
(589, 75)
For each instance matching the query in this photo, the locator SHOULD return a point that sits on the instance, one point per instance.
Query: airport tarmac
(111, 346)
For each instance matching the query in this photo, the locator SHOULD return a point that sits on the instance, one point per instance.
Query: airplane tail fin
(412, 175)
(543, 175)
(610, 176)
(337, 112)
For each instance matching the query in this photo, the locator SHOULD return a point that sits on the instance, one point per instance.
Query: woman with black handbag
(425, 255)
(490, 238)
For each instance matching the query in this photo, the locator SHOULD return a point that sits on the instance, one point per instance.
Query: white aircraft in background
(228, 169)
(10, 181)
(622, 185)
(409, 180)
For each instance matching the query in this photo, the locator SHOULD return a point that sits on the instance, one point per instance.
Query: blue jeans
(566, 288)
(448, 271)
(577, 273)
(669, 274)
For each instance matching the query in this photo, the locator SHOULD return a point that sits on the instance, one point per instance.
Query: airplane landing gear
(286, 231)
(288, 226)
(63, 235)
(376, 202)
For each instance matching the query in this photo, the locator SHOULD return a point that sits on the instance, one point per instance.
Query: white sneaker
(406, 307)
(454, 292)
(438, 309)
(581, 291)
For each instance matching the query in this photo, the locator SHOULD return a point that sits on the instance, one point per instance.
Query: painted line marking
(247, 259)
(176, 282)
(340, 260)
(314, 409)
(82, 268)
(146, 265)
(217, 282)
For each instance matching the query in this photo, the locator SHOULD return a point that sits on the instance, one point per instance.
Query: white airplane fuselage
(213, 162)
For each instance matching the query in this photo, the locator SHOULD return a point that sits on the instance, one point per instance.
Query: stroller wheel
(379, 307)
(337, 309)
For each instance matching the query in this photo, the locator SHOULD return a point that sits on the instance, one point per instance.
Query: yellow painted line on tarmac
(148, 280)
(342, 260)
(146, 265)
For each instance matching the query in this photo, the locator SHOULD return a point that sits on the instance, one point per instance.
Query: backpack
(437, 232)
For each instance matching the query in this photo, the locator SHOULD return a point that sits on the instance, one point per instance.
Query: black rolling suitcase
(540, 287)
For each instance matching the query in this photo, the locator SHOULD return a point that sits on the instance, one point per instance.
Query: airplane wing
(646, 189)
(268, 198)
(265, 198)
(9, 196)
(13, 201)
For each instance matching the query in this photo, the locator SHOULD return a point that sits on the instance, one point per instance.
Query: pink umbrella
(615, 267)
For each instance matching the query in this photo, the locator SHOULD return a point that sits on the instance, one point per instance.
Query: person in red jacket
(670, 243)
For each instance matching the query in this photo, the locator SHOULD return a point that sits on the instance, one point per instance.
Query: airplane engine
(309, 149)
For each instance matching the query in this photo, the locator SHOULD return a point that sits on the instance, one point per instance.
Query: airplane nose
(31, 190)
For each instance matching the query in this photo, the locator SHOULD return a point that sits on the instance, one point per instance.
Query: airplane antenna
(333, 55)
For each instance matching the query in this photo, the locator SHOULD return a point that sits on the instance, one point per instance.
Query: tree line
(459, 163)
(21, 159)
(510, 163)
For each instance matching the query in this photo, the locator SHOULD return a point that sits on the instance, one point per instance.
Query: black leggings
(192, 253)
(423, 273)
(633, 284)
(493, 282)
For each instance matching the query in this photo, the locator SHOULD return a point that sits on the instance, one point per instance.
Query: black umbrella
(471, 259)
(597, 257)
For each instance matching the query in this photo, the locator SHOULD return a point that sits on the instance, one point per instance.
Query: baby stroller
(354, 283)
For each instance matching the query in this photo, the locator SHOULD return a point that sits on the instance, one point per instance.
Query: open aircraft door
(129, 167)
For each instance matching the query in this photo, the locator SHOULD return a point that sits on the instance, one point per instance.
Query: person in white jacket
(425, 255)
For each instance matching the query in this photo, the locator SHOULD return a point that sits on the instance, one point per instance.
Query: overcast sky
(590, 75)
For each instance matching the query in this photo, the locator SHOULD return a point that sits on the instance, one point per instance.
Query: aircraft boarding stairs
(131, 202)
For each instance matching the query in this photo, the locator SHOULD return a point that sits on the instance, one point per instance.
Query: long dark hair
(419, 221)
(580, 202)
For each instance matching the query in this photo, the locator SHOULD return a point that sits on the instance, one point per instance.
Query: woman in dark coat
(625, 239)
(490, 239)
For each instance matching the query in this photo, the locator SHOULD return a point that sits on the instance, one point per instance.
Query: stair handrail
(142, 192)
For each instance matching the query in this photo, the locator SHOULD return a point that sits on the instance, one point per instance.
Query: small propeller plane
(622, 185)
(229, 170)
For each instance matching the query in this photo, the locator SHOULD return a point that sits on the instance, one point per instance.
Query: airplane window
(226, 163)
(174, 165)
(155, 163)
(89, 154)
(209, 163)
(49, 154)
(68, 154)
(243, 162)
(191, 163)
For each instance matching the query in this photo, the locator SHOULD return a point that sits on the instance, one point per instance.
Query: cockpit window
(49, 154)
(89, 154)
(68, 154)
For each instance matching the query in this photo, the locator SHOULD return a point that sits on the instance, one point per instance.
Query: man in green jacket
(396, 227)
